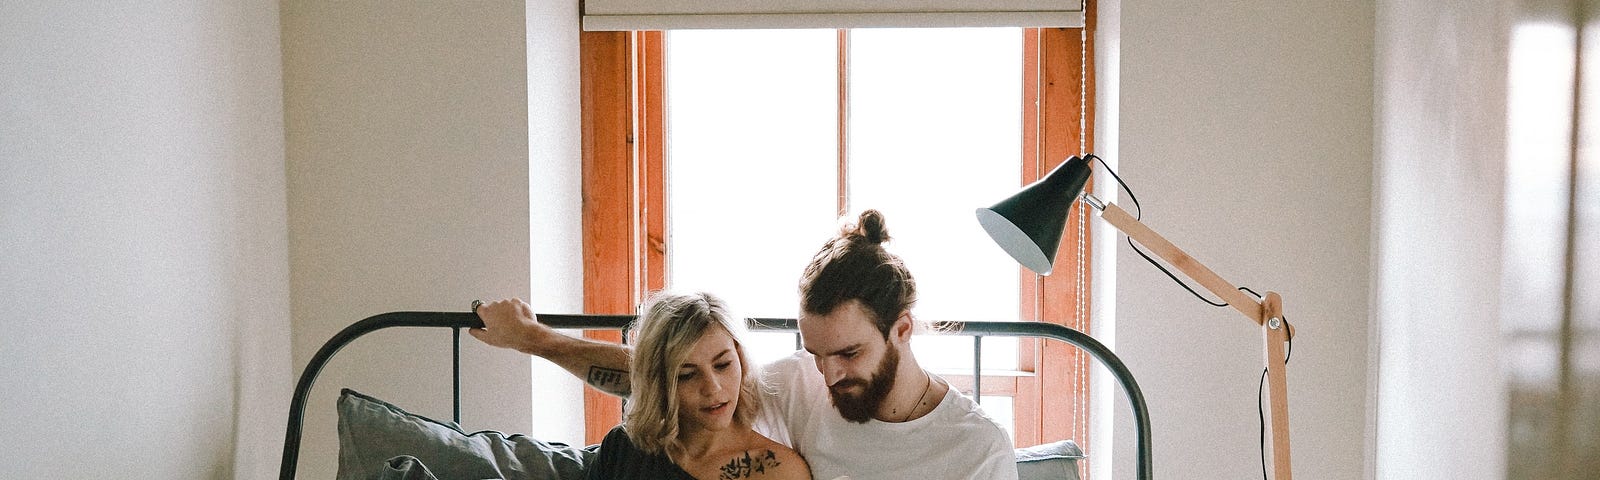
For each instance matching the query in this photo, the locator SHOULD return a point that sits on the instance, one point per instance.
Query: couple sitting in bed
(854, 403)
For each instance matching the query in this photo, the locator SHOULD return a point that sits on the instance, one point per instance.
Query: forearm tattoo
(609, 380)
(746, 465)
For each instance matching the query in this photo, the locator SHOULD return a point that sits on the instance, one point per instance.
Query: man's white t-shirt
(956, 440)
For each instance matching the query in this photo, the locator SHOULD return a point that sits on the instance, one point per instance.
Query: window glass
(751, 165)
(935, 131)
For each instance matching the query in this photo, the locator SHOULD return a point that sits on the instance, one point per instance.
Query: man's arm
(511, 324)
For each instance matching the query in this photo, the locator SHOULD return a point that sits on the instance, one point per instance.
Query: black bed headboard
(459, 320)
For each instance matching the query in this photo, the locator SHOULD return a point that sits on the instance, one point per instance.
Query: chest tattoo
(747, 465)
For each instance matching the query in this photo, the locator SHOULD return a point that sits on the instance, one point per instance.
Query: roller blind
(708, 14)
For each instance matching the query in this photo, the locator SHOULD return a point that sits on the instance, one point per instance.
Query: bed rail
(459, 320)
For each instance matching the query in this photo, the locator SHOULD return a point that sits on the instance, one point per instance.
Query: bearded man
(854, 402)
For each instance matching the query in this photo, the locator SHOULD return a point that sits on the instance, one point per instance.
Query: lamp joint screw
(1274, 323)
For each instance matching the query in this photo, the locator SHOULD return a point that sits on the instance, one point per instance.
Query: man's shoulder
(965, 414)
(789, 371)
(783, 380)
(970, 428)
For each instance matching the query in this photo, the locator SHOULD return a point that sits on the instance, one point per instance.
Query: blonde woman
(694, 399)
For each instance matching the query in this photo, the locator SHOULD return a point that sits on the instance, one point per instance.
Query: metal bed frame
(459, 320)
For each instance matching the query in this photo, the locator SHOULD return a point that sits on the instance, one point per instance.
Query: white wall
(1246, 130)
(555, 151)
(408, 166)
(1440, 396)
(143, 260)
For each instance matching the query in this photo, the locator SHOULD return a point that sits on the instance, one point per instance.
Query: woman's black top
(619, 459)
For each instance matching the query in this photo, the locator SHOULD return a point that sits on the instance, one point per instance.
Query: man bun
(855, 266)
(869, 226)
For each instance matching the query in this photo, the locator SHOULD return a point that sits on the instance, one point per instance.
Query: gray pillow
(371, 432)
(405, 467)
(1055, 461)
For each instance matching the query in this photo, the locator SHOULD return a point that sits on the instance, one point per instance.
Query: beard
(860, 407)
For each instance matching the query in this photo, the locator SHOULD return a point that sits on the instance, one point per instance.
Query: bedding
(1055, 460)
(372, 432)
(378, 440)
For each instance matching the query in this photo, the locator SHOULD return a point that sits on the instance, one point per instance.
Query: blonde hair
(668, 327)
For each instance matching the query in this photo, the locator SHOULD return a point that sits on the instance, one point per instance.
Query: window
(754, 187)
(727, 176)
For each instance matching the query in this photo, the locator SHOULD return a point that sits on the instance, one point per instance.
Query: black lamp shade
(1028, 225)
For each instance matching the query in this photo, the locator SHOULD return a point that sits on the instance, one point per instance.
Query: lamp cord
(1124, 185)
(1138, 212)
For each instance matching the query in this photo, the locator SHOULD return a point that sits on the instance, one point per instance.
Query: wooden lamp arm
(1268, 314)
(1183, 262)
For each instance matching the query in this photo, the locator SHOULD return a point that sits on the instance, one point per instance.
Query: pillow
(405, 467)
(1056, 460)
(372, 431)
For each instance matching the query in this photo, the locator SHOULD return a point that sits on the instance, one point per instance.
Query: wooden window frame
(624, 219)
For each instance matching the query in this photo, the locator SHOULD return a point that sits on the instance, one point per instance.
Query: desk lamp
(1028, 226)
